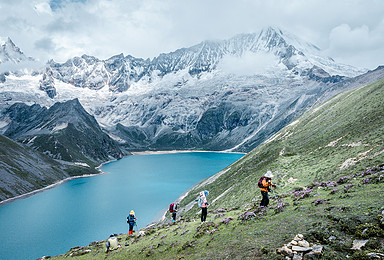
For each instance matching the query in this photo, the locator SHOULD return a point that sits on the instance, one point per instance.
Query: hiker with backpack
(203, 204)
(112, 243)
(173, 209)
(131, 220)
(265, 184)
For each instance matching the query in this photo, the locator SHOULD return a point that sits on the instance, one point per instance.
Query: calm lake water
(84, 210)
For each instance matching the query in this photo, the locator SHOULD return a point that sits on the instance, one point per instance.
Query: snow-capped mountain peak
(9, 52)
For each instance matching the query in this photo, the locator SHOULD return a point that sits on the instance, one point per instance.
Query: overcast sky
(350, 31)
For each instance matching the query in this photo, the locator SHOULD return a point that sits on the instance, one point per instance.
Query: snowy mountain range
(217, 95)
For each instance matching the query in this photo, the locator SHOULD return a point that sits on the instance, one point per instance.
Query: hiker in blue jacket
(131, 220)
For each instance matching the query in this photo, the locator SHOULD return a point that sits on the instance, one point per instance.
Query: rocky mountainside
(24, 170)
(329, 171)
(217, 95)
(65, 131)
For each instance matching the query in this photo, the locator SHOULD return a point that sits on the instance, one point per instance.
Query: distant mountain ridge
(217, 95)
(119, 72)
(65, 131)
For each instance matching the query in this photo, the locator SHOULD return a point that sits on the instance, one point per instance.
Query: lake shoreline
(53, 185)
(179, 151)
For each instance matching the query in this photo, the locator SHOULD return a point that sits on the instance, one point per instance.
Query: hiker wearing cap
(131, 220)
(265, 184)
(173, 209)
(112, 243)
(203, 204)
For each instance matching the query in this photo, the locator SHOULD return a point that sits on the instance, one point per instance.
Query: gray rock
(286, 251)
(298, 237)
(317, 250)
(331, 238)
(358, 244)
(310, 255)
(301, 249)
(298, 256)
(303, 243)
(376, 255)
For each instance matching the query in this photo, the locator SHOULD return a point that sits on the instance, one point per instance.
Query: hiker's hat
(132, 212)
(269, 174)
(206, 193)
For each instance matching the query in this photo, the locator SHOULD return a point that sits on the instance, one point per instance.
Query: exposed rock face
(65, 131)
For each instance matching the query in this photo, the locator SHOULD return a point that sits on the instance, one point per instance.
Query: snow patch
(60, 127)
(81, 164)
(333, 143)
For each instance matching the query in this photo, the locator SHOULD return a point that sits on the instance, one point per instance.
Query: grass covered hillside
(23, 169)
(329, 169)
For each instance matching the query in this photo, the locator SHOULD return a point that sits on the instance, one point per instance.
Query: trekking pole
(137, 227)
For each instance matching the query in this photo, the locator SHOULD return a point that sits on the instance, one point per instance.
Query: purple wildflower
(365, 181)
(318, 201)
(347, 187)
(219, 211)
(331, 184)
(334, 191)
(342, 179)
(226, 220)
(213, 231)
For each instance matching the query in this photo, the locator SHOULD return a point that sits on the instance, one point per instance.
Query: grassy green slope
(24, 170)
(329, 169)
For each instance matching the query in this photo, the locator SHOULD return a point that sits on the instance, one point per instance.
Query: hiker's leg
(130, 229)
(262, 199)
(203, 214)
(266, 199)
(174, 216)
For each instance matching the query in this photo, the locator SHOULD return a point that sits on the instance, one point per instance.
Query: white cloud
(249, 63)
(145, 28)
(358, 46)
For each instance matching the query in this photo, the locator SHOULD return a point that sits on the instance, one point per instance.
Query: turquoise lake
(84, 210)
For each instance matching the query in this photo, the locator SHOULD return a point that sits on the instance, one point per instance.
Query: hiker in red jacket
(265, 187)
(173, 209)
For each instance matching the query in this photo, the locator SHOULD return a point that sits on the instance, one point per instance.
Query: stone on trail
(301, 249)
(358, 244)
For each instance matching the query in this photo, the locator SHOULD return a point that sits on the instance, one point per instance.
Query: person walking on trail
(131, 220)
(203, 204)
(173, 209)
(112, 243)
(265, 184)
